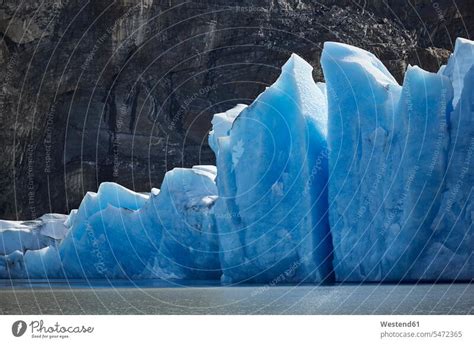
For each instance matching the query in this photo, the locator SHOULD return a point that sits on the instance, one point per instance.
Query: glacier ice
(118, 233)
(388, 157)
(222, 123)
(354, 179)
(189, 247)
(31, 235)
(460, 62)
(271, 212)
(103, 234)
(452, 228)
(34, 264)
(362, 97)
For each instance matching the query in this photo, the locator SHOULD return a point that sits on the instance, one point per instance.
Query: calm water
(157, 297)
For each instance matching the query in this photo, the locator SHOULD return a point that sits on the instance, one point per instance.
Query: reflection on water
(168, 297)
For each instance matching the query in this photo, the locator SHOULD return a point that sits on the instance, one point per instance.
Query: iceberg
(105, 233)
(452, 229)
(387, 169)
(189, 245)
(222, 123)
(459, 64)
(355, 179)
(118, 233)
(31, 235)
(272, 171)
(42, 263)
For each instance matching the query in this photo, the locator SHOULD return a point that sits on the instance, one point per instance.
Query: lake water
(158, 297)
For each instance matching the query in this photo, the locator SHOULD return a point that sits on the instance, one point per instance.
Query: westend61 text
(400, 324)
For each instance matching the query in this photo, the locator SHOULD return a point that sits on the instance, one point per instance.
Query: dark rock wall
(123, 91)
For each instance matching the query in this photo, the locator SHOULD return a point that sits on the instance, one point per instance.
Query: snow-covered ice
(222, 123)
(460, 63)
(31, 235)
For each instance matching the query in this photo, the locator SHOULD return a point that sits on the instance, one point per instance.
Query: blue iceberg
(272, 172)
(355, 179)
(28, 249)
(451, 254)
(387, 165)
(118, 233)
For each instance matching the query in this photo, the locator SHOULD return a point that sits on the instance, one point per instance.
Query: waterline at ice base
(358, 179)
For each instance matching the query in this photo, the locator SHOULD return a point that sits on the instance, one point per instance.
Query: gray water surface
(158, 297)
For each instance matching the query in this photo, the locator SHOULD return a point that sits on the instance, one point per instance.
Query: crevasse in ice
(358, 178)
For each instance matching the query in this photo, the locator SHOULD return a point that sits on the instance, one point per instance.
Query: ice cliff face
(452, 229)
(387, 160)
(168, 234)
(358, 179)
(396, 155)
(272, 165)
